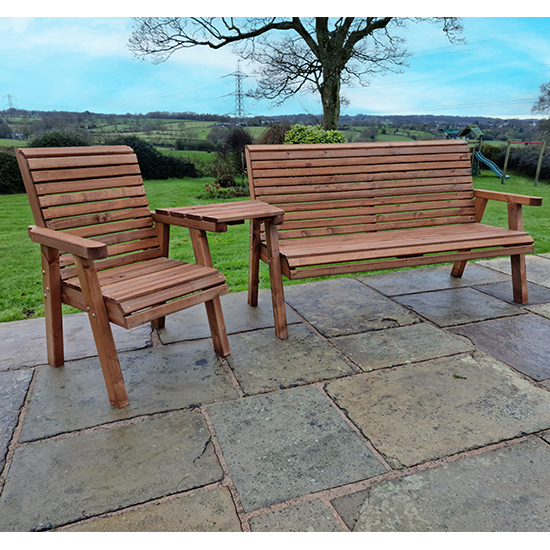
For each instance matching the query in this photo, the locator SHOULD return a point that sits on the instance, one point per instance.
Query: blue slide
(490, 164)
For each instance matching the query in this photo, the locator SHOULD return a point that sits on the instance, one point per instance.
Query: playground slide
(490, 164)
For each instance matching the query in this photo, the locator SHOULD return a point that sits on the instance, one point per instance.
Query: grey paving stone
(287, 444)
(523, 342)
(499, 491)
(537, 294)
(262, 362)
(421, 412)
(424, 279)
(336, 307)
(538, 268)
(23, 343)
(13, 389)
(203, 511)
(74, 397)
(312, 516)
(540, 309)
(398, 346)
(459, 306)
(192, 323)
(59, 481)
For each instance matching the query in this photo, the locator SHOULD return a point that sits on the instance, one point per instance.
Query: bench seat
(301, 257)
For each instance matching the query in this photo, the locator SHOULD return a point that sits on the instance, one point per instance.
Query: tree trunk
(330, 98)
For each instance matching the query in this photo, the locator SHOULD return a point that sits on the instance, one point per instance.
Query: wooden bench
(104, 252)
(358, 207)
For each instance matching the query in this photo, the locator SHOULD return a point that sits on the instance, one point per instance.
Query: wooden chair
(103, 252)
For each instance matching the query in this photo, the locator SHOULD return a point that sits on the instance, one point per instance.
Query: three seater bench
(358, 207)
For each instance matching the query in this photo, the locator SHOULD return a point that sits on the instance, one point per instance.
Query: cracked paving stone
(58, 481)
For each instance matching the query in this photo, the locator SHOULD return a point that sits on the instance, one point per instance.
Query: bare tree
(294, 54)
(543, 103)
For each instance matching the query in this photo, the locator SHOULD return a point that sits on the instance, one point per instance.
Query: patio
(408, 401)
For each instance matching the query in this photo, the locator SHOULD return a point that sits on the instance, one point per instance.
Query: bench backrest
(93, 192)
(328, 189)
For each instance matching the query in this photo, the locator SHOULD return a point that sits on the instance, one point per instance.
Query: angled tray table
(216, 218)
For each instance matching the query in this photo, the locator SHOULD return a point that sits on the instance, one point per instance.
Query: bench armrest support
(65, 242)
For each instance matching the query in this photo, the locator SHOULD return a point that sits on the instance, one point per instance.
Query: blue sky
(83, 63)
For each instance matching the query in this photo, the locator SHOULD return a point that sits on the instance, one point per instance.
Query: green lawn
(20, 270)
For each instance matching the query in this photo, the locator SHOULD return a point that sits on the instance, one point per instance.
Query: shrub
(154, 165)
(524, 160)
(59, 138)
(10, 177)
(492, 152)
(313, 134)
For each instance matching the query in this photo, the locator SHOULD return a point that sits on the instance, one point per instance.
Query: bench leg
(519, 278)
(52, 306)
(254, 262)
(103, 336)
(276, 279)
(458, 268)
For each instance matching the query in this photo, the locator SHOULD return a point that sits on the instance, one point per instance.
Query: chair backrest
(93, 192)
(328, 189)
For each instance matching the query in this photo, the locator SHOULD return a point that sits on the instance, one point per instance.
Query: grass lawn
(20, 269)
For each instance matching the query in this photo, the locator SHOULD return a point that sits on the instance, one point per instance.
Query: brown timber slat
(49, 163)
(75, 186)
(84, 173)
(91, 196)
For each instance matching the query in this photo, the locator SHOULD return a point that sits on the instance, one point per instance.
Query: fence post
(542, 148)
(503, 178)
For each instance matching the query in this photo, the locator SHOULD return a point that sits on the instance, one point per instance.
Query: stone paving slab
(538, 268)
(203, 511)
(537, 294)
(23, 343)
(424, 411)
(13, 390)
(262, 362)
(312, 516)
(411, 281)
(399, 346)
(540, 309)
(336, 307)
(74, 397)
(502, 490)
(59, 481)
(192, 323)
(287, 444)
(459, 306)
(523, 342)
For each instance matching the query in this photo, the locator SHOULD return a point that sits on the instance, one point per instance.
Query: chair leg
(52, 306)
(103, 336)
(254, 263)
(519, 278)
(217, 327)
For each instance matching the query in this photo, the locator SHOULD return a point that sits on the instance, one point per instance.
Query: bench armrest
(508, 197)
(65, 242)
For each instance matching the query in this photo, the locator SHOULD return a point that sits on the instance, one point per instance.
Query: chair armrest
(65, 242)
(508, 197)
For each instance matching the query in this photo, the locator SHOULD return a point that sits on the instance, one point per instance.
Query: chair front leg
(101, 329)
(51, 278)
(519, 270)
